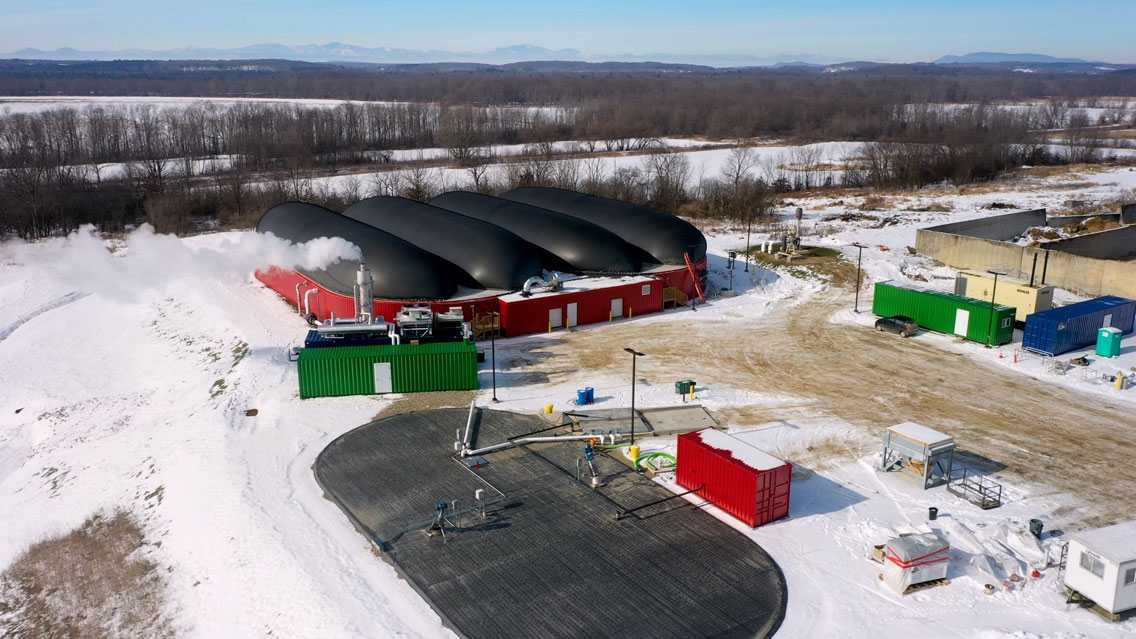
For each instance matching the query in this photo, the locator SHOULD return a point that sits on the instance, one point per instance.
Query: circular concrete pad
(546, 556)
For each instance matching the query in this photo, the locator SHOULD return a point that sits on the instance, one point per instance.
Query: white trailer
(1101, 568)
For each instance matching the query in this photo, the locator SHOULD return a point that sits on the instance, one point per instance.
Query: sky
(879, 30)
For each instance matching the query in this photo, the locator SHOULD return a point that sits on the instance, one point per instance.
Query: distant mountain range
(337, 52)
(985, 57)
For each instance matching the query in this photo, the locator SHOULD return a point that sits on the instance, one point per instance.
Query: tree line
(114, 166)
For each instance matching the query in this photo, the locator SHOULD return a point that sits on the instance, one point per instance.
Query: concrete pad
(549, 556)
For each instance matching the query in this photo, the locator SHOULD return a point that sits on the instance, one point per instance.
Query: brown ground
(1042, 433)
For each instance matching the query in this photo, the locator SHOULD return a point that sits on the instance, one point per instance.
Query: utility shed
(923, 454)
(915, 559)
(1102, 568)
(741, 479)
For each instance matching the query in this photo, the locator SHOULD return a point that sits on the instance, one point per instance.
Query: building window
(646, 289)
(1092, 563)
(1130, 577)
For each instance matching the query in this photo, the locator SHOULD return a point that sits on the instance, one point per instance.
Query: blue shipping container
(1068, 328)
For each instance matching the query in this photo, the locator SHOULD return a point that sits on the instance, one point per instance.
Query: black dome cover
(665, 236)
(490, 255)
(581, 246)
(400, 269)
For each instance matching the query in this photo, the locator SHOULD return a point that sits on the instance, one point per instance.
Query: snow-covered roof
(921, 434)
(751, 456)
(582, 284)
(1117, 543)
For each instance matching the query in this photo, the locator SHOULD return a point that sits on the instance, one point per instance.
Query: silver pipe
(529, 440)
(468, 426)
(307, 300)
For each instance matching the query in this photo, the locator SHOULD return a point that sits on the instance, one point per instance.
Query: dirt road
(1039, 432)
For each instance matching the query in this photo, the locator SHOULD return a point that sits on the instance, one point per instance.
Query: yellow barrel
(548, 409)
(634, 453)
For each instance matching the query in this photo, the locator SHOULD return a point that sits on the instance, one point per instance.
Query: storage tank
(946, 312)
(667, 238)
(1011, 292)
(581, 247)
(1075, 326)
(400, 270)
(489, 255)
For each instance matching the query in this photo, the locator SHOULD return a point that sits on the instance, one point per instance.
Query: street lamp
(493, 350)
(749, 225)
(634, 356)
(859, 256)
(990, 324)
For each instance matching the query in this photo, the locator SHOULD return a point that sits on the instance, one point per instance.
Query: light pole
(859, 256)
(634, 356)
(749, 225)
(990, 324)
(493, 350)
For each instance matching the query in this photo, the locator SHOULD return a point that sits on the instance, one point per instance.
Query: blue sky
(883, 30)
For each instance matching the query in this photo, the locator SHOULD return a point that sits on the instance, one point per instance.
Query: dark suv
(898, 324)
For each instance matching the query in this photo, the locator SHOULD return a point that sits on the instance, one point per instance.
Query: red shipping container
(741, 479)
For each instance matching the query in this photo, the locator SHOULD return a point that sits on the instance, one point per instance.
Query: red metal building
(582, 301)
(741, 479)
(311, 298)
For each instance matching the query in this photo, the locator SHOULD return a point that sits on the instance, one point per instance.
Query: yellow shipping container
(1011, 292)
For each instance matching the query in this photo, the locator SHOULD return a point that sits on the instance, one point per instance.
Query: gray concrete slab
(551, 557)
(674, 420)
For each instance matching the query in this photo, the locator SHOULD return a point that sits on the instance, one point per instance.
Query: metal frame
(978, 490)
(931, 466)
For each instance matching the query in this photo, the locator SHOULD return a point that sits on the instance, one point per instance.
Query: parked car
(898, 324)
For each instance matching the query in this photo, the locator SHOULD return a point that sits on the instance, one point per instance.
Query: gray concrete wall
(1079, 274)
(997, 227)
(1113, 244)
(1128, 214)
(1057, 221)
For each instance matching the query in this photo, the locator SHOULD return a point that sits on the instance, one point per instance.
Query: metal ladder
(1061, 566)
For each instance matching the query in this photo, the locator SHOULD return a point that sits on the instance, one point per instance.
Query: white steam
(147, 260)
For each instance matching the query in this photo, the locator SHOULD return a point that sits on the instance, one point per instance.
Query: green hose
(649, 456)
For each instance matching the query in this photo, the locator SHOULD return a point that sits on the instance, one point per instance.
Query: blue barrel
(590, 394)
(581, 397)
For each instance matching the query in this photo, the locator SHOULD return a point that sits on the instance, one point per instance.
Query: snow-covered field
(125, 381)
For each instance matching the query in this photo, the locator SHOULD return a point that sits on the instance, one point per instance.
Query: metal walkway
(549, 558)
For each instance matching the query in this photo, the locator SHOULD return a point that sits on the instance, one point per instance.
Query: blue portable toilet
(1108, 341)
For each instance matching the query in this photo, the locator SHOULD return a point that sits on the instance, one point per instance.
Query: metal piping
(299, 309)
(469, 425)
(553, 284)
(529, 440)
(307, 299)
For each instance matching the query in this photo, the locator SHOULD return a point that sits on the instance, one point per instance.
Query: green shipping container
(947, 313)
(369, 370)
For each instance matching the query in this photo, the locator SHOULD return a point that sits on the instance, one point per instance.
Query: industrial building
(556, 259)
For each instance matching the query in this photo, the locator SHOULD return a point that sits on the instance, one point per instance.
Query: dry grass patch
(90, 582)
